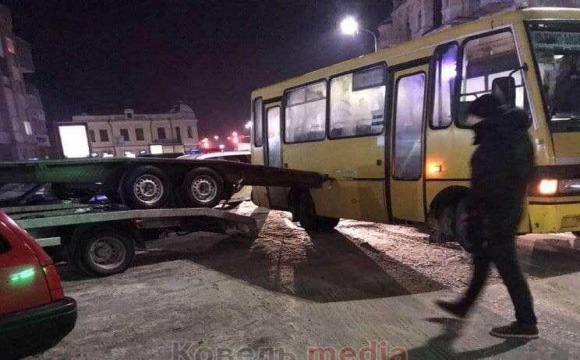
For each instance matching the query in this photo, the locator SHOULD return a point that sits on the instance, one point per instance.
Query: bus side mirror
(504, 88)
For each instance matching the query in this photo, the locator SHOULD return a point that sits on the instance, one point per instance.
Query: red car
(34, 313)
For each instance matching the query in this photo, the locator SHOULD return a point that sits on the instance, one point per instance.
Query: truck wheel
(460, 226)
(308, 218)
(146, 187)
(203, 187)
(105, 252)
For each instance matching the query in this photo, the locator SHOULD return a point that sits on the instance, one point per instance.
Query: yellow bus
(389, 128)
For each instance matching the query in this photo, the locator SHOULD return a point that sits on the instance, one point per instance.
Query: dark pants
(506, 262)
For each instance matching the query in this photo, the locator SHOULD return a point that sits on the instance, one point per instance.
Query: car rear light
(548, 187)
(53, 281)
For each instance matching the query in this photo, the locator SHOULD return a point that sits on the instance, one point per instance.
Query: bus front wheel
(308, 218)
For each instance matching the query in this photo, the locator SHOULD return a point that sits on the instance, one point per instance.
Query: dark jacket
(501, 169)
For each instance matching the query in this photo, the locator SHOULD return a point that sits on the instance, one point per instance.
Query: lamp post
(349, 26)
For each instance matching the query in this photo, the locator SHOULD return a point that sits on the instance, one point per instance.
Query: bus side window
(444, 73)
(258, 112)
(305, 113)
(357, 103)
(485, 58)
(408, 148)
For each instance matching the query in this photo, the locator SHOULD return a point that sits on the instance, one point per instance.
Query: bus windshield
(556, 47)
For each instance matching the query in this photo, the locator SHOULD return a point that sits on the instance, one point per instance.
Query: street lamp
(216, 138)
(349, 26)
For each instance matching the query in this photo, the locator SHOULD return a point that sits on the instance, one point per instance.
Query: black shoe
(515, 331)
(453, 308)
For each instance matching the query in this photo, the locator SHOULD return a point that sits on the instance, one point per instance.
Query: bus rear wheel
(308, 218)
(460, 226)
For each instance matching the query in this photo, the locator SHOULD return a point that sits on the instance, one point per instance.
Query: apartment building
(23, 133)
(414, 18)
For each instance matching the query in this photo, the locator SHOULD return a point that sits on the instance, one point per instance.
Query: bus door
(273, 155)
(406, 179)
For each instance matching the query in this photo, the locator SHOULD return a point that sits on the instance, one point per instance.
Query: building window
(104, 135)
(306, 113)
(92, 136)
(357, 103)
(129, 115)
(258, 114)
(178, 133)
(485, 59)
(28, 128)
(189, 133)
(444, 73)
(408, 147)
(161, 134)
(125, 134)
(139, 134)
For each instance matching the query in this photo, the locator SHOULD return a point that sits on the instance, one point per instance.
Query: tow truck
(147, 198)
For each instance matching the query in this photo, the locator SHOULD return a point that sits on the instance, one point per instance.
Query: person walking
(501, 169)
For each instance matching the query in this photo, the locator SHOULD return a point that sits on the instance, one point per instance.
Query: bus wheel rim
(108, 253)
(148, 189)
(204, 189)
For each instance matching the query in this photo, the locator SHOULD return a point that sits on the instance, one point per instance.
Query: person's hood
(510, 121)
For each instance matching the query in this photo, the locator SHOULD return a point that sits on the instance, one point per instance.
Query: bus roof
(403, 51)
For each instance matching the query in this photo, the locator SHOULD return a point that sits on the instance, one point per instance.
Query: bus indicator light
(435, 168)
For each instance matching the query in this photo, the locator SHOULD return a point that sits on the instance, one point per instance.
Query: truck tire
(104, 252)
(308, 218)
(460, 226)
(203, 187)
(146, 187)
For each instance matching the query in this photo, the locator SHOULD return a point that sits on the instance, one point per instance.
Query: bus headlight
(548, 187)
(569, 186)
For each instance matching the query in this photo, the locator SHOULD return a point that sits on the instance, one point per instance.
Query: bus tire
(203, 187)
(308, 218)
(104, 252)
(460, 228)
(146, 187)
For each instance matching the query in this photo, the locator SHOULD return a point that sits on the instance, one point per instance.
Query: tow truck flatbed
(147, 183)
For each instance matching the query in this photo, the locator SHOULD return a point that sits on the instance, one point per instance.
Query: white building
(414, 18)
(131, 134)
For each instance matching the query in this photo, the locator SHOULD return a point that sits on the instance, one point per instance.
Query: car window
(4, 246)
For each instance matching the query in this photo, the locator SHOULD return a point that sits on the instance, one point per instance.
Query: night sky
(100, 56)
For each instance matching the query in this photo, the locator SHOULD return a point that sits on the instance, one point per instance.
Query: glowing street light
(248, 125)
(216, 138)
(349, 26)
(222, 147)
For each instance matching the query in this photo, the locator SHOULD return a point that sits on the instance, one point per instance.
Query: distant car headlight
(569, 186)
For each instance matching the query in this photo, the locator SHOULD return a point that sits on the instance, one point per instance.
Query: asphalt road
(365, 287)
